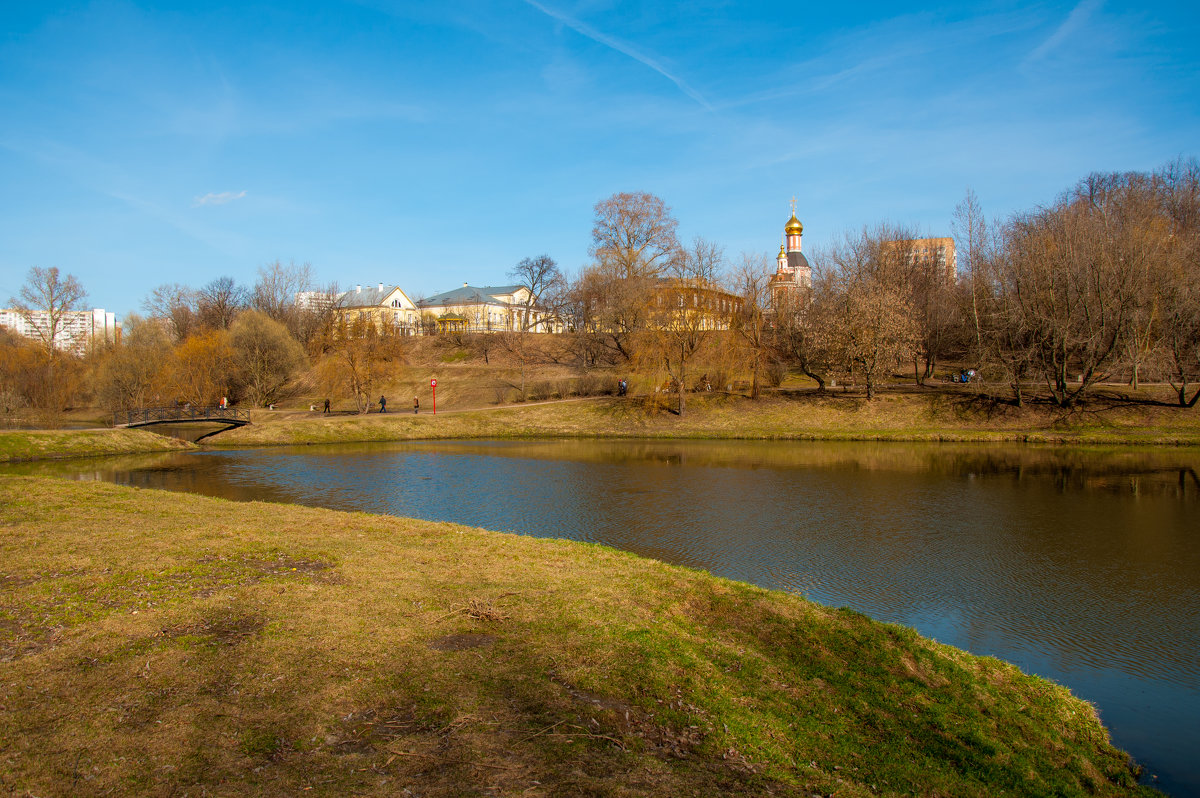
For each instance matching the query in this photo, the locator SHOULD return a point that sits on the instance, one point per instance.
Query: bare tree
(752, 319)
(545, 285)
(614, 310)
(130, 376)
(873, 324)
(1177, 294)
(800, 332)
(1009, 341)
(633, 235)
(934, 309)
(686, 311)
(579, 311)
(317, 314)
(44, 301)
(219, 302)
(176, 305)
(1071, 275)
(971, 238)
(276, 291)
(360, 356)
(633, 244)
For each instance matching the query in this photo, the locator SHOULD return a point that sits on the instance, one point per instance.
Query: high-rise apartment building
(78, 330)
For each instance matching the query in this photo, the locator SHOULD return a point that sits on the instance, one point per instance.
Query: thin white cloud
(218, 199)
(1078, 17)
(101, 176)
(623, 48)
(226, 243)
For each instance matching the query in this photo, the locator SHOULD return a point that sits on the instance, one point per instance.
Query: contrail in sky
(1078, 16)
(621, 47)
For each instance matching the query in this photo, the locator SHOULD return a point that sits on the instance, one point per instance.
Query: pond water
(1079, 565)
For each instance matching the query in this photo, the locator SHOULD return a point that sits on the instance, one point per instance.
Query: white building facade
(492, 308)
(78, 330)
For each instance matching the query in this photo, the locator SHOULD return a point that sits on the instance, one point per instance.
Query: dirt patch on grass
(462, 642)
(622, 721)
(368, 731)
(277, 565)
(226, 627)
(35, 610)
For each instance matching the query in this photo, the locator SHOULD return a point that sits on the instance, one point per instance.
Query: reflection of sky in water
(1089, 576)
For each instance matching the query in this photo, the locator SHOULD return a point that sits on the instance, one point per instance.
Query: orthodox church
(793, 271)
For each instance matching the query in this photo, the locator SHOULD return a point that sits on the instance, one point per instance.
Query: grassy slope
(41, 444)
(154, 643)
(893, 416)
(946, 415)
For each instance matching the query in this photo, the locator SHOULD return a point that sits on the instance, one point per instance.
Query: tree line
(1101, 284)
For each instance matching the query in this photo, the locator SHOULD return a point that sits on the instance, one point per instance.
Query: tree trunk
(817, 378)
(682, 379)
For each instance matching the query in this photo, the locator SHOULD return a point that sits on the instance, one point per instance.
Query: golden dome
(782, 251)
(794, 228)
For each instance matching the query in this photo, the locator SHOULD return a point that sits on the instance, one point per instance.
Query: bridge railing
(160, 415)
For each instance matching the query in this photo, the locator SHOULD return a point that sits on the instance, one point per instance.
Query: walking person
(382, 404)
(416, 405)
(326, 407)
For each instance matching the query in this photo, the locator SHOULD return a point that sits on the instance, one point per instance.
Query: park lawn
(158, 643)
(945, 415)
(899, 416)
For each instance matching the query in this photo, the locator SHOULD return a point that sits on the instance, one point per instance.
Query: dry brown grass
(165, 644)
(46, 444)
(896, 415)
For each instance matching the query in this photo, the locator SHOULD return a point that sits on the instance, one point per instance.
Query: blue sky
(431, 144)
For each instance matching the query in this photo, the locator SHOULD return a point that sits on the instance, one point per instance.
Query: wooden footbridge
(185, 414)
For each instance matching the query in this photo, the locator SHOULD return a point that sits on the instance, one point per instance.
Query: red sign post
(433, 385)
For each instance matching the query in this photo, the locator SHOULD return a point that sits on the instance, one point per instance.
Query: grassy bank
(43, 444)
(158, 643)
(901, 416)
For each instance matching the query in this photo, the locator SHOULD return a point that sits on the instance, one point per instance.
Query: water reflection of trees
(1121, 471)
(1126, 471)
(178, 471)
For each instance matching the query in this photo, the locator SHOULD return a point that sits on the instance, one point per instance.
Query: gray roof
(797, 261)
(469, 294)
(369, 296)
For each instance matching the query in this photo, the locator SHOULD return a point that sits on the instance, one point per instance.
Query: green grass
(157, 643)
(44, 444)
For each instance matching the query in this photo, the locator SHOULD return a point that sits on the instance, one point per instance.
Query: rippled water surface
(1082, 566)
